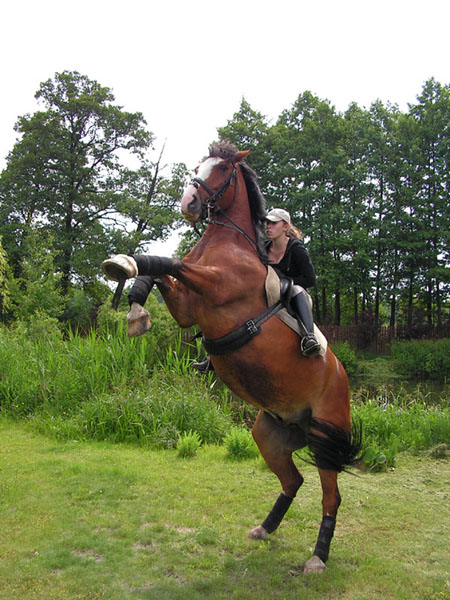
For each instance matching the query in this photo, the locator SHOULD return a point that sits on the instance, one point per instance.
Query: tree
(37, 291)
(66, 176)
(5, 282)
(432, 115)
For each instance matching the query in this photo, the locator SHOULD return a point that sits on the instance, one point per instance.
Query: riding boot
(205, 366)
(309, 345)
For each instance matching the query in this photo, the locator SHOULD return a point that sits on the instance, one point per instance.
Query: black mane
(256, 200)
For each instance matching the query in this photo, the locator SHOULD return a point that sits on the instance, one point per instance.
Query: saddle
(277, 288)
(278, 294)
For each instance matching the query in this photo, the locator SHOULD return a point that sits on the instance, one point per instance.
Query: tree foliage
(80, 171)
(370, 190)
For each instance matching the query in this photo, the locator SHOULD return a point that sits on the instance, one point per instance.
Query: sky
(186, 65)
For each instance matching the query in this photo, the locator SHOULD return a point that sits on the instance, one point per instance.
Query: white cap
(278, 214)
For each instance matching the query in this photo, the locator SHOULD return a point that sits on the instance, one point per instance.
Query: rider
(289, 257)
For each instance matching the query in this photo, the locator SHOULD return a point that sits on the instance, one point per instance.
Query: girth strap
(242, 335)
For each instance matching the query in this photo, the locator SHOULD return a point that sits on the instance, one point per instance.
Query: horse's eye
(196, 170)
(223, 167)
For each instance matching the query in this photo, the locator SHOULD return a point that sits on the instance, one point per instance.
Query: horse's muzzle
(191, 204)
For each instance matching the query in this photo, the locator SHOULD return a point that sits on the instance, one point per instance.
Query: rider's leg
(301, 304)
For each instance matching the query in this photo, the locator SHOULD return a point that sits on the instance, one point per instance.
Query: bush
(423, 359)
(188, 444)
(393, 426)
(154, 414)
(347, 357)
(240, 444)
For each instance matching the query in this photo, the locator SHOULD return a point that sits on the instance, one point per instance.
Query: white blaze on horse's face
(190, 202)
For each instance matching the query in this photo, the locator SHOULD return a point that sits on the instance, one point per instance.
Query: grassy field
(86, 520)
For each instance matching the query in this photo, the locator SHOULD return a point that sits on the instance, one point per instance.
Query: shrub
(154, 414)
(347, 357)
(240, 444)
(393, 426)
(188, 444)
(423, 358)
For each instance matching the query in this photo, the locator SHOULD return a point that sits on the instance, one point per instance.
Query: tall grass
(108, 386)
(60, 374)
(393, 423)
(153, 415)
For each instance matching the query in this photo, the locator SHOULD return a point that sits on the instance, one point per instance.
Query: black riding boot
(309, 345)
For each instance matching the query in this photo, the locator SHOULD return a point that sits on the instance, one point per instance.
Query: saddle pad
(273, 295)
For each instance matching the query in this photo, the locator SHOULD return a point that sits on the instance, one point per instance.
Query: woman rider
(289, 257)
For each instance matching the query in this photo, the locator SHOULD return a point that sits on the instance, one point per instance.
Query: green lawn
(96, 520)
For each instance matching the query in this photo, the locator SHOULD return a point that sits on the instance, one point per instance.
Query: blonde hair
(294, 232)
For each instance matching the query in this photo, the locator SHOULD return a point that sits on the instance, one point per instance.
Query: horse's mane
(256, 200)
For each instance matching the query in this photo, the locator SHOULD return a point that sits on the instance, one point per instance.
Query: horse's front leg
(178, 300)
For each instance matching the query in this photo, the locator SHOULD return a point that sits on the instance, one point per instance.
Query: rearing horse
(219, 285)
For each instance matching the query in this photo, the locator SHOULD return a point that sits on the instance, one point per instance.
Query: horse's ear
(241, 155)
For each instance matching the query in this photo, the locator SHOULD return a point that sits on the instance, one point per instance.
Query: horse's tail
(333, 448)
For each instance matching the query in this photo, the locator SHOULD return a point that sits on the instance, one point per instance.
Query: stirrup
(120, 267)
(310, 345)
(203, 367)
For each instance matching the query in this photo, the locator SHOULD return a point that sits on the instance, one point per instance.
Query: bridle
(210, 205)
(210, 209)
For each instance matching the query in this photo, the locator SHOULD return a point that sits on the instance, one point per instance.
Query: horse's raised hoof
(314, 565)
(259, 533)
(138, 320)
(120, 267)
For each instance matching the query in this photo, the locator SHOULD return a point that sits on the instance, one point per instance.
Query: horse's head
(213, 180)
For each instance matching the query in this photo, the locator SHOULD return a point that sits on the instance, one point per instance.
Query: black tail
(332, 447)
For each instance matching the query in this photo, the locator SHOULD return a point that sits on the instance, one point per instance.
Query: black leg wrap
(140, 289)
(153, 265)
(277, 513)
(326, 531)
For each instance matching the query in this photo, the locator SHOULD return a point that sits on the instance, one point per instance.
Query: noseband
(209, 205)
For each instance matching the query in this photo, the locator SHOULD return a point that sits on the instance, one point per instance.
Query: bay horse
(220, 286)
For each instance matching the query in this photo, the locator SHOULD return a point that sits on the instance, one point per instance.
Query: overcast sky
(187, 64)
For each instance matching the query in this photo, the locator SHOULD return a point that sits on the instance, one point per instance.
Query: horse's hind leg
(331, 500)
(276, 444)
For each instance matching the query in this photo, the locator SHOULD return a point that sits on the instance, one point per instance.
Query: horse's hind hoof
(314, 565)
(259, 533)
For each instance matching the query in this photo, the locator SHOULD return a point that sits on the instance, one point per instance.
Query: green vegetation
(423, 359)
(369, 188)
(188, 444)
(106, 386)
(240, 444)
(85, 521)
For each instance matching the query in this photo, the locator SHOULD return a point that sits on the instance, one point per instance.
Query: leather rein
(210, 208)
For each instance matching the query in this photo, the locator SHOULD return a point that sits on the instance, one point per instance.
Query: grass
(87, 520)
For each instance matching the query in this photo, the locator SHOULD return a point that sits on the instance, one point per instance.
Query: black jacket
(295, 264)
